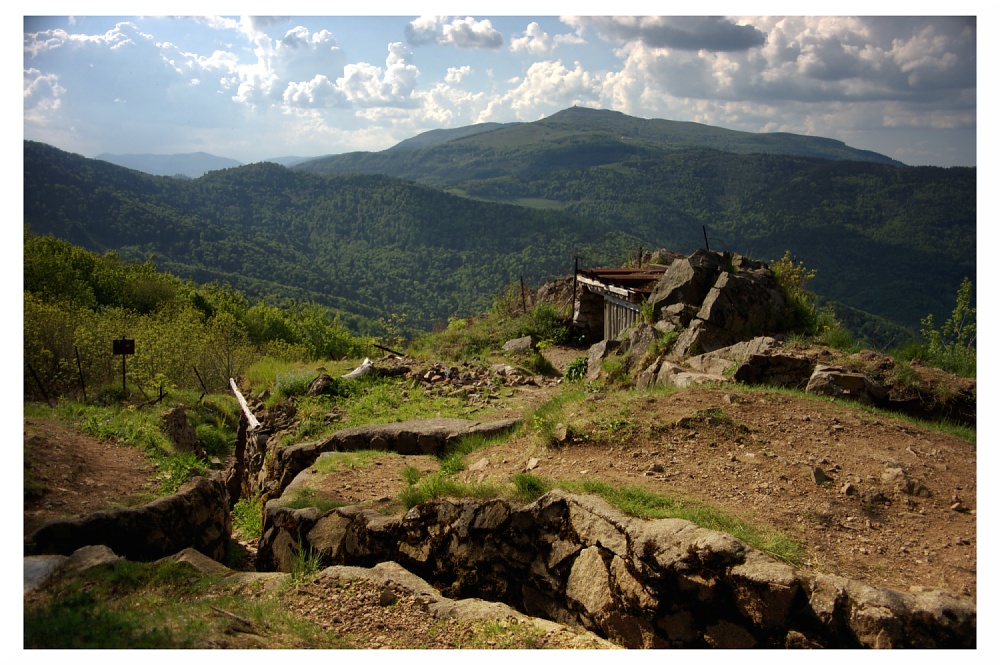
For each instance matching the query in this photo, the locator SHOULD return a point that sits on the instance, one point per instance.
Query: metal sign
(123, 347)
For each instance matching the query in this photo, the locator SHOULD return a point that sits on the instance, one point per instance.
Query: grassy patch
(248, 518)
(359, 459)
(308, 497)
(503, 634)
(642, 503)
(438, 485)
(147, 606)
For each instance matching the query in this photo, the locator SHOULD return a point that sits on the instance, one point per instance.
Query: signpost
(123, 347)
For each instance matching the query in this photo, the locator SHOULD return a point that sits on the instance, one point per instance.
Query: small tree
(953, 348)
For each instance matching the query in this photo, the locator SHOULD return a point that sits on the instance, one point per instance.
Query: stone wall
(197, 516)
(642, 584)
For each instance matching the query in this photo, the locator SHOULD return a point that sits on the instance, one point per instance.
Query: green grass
(308, 497)
(438, 485)
(247, 518)
(359, 459)
(134, 605)
(642, 503)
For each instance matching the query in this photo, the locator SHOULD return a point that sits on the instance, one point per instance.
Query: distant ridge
(191, 165)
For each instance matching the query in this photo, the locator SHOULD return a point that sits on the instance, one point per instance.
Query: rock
(640, 338)
(588, 583)
(596, 355)
(848, 489)
(39, 568)
(520, 345)
(687, 280)
(560, 433)
(196, 516)
(320, 385)
(387, 598)
(818, 475)
(532, 464)
(183, 436)
(479, 465)
(837, 382)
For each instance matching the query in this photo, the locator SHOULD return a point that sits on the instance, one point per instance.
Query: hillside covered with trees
(430, 229)
(371, 246)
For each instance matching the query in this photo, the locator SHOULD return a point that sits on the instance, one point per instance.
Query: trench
(575, 560)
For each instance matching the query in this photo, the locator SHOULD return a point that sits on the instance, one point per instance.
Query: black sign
(123, 347)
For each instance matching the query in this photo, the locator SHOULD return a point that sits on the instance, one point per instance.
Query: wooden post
(705, 233)
(576, 269)
(524, 305)
(40, 386)
(79, 366)
(204, 389)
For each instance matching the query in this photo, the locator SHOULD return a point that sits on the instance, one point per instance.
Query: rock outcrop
(196, 516)
(641, 584)
(259, 468)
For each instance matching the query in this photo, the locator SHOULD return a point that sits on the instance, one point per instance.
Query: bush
(576, 370)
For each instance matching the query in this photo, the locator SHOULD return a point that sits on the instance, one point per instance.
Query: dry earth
(898, 508)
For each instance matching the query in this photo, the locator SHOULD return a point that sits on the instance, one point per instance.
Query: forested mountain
(520, 200)
(574, 138)
(884, 238)
(371, 246)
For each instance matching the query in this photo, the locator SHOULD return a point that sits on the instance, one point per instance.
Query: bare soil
(67, 474)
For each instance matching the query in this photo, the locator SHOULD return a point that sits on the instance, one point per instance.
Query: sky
(257, 87)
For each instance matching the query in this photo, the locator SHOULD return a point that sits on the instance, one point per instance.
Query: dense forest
(888, 239)
(371, 246)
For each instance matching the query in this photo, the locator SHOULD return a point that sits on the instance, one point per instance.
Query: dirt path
(67, 473)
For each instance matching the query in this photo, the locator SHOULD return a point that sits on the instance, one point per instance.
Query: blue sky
(255, 88)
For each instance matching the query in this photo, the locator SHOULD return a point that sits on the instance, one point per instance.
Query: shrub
(576, 370)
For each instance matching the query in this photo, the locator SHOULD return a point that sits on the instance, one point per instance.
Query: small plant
(306, 564)
(576, 370)
(293, 383)
(411, 475)
(247, 518)
(528, 487)
(953, 347)
(792, 278)
(179, 469)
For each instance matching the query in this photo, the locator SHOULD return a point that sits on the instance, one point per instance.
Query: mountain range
(433, 226)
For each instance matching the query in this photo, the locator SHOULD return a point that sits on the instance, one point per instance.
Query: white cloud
(535, 41)
(549, 86)
(461, 32)
(455, 75)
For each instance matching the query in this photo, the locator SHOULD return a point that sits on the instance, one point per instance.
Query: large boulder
(688, 280)
(739, 306)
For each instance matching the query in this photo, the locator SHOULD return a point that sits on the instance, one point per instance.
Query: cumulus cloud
(461, 32)
(550, 86)
(686, 33)
(535, 41)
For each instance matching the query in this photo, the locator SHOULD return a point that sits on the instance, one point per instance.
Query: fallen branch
(245, 622)
(253, 422)
(388, 350)
(366, 368)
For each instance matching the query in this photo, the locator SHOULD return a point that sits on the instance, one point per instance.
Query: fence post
(79, 366)
(40, 386)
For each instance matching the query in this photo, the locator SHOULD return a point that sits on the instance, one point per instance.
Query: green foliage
(179, 468)
(411, 475)
(792, 278)
(438, 485)
(294, 383)
(248, 517)
(576, 370)
(953, 347)
(76, 304)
